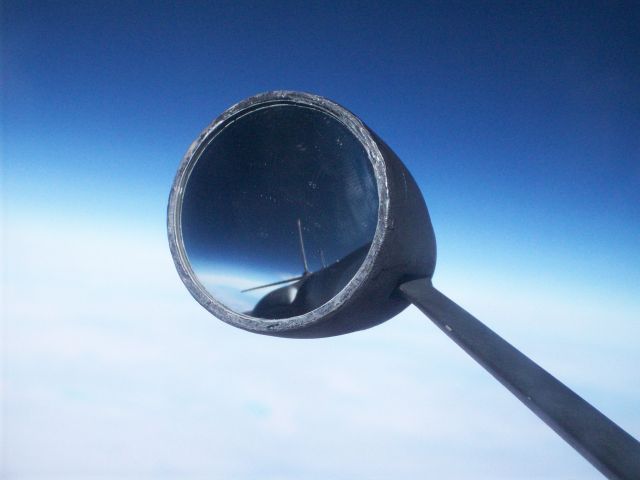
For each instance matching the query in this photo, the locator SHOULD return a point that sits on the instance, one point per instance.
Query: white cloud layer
(113, 371)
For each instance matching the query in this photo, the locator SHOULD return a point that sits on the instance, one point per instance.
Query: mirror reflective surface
(279, 211)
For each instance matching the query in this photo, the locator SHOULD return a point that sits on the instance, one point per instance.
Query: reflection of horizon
(226, 285)
(245, 290)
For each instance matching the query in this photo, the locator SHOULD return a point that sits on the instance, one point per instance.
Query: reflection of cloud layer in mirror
(227, 285)
(260, 177)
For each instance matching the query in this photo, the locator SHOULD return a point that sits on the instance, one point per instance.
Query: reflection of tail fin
(304, 255)
(293, 279)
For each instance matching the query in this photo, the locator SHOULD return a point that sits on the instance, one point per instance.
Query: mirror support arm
(603, 443)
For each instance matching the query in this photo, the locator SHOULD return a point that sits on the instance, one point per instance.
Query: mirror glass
(279, 211)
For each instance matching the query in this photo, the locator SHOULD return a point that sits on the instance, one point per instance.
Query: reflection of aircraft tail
(304, 263)
(311, 290)
(304, 255)
(288, 280)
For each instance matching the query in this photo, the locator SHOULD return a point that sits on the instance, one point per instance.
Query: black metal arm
(603, 443)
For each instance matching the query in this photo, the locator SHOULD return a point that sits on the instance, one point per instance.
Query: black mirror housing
(403, 246)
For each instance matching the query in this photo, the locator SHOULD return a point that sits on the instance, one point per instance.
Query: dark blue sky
(519, 121)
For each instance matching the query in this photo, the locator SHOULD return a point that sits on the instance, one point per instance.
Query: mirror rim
(192, 156)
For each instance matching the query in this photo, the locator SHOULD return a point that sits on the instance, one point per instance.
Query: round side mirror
(289, 217)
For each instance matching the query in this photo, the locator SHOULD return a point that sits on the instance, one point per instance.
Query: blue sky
(519, 123)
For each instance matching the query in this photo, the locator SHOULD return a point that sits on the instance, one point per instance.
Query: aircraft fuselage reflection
(312, 290)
